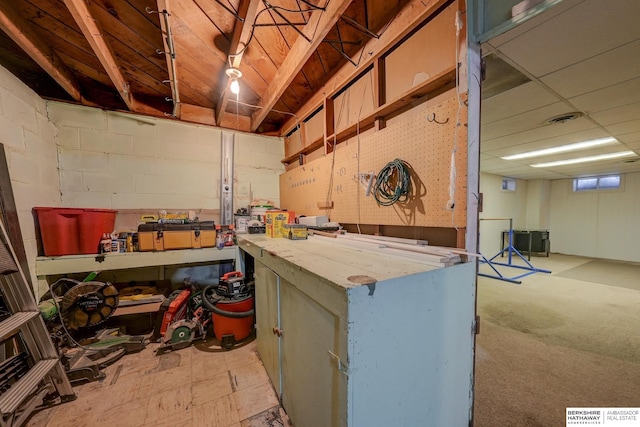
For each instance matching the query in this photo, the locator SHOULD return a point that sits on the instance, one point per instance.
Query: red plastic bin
(71, 231)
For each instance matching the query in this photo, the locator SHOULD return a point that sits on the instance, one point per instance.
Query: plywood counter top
(346, 264)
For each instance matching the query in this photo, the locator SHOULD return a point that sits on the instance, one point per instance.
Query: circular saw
(88, 304)
(180, 334)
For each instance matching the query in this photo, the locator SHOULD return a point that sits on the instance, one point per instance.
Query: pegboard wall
(424, 139)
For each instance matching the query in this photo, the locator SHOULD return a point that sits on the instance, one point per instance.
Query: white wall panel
(618, 233)
(601, 224)
(498, 203)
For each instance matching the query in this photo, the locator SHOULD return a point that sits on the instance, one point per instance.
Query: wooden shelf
(306, 150)
(116, 261)
(438, 84)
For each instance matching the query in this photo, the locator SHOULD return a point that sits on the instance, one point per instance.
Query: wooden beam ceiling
(318, 26)
(23, 34)
(89, 27)
(247, 11)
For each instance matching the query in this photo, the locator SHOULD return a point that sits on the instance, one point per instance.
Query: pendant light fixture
(234, 74)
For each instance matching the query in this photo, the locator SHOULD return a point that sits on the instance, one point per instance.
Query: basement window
(608, 182)
(508, 184)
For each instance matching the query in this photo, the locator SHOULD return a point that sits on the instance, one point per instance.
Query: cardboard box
(275, 221)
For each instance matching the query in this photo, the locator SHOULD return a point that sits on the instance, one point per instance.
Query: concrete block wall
(29, 140)
(125, 161)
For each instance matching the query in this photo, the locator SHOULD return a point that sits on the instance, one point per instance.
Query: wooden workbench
(360, 337)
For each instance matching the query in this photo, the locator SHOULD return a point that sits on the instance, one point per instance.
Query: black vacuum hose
(212, 307)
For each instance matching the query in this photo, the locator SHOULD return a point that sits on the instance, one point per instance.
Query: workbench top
(347, 264)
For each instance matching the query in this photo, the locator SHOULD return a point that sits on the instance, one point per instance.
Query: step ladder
(46, 377)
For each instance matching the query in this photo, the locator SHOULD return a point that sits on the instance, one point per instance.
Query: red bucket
(239, 328)
(71, 231)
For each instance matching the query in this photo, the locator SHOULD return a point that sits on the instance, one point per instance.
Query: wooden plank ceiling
(169, 57)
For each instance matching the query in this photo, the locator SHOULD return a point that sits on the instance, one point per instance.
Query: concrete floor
(544, 345)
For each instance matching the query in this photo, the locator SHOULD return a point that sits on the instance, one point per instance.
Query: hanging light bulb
(235, 87)
(234, 74)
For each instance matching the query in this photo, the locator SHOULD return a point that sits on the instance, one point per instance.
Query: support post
(226, 178)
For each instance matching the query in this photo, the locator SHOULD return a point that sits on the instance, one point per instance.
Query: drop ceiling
(579, 56)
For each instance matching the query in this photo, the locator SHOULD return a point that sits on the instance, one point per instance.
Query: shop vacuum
(185, 316)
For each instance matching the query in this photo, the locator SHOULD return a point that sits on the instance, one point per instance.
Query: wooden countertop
(345, 263)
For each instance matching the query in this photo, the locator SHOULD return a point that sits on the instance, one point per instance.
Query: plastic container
(219, 237)
(242, 222)
(258, 212)
(239, 328)
(71, 231)
(91, 224)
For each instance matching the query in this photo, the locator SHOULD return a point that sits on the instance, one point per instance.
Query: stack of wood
(408, 248)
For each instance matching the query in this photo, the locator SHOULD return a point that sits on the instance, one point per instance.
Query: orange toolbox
(160, 237)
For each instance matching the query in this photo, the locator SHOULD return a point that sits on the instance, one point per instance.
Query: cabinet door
(313, 387)
(266, 320)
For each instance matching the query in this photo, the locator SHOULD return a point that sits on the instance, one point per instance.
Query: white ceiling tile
(520, 99)
(588, 29)
(633, 145)
(598, 44)
(538, 174)
(497, 163)
(528, 120)
(624, 127)
(603, 168)
(525, 172)
(615, 66)
(626, 138)
(617, 115)
(504, 171)
(534, 22)
(538, 134)
(612, 96)
(548, 142)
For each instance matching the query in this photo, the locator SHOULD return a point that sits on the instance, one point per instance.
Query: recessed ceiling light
(561, 149)
(585, 159)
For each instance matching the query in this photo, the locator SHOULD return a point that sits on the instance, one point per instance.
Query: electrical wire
(273, 110)
(393, 183)
(271, 7)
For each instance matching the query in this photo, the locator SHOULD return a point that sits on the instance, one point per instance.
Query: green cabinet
(363, 337)
(296, 337)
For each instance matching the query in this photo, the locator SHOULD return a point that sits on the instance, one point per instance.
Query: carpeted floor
(625, 275)
(555, 342)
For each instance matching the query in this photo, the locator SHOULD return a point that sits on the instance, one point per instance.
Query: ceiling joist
(319, 25)
(94, 36)
(23, 34)
(247, 11)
